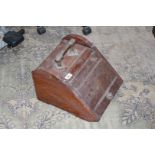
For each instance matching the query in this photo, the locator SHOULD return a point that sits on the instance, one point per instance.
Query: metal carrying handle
(60, 56)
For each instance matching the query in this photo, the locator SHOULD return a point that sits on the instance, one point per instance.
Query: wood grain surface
(77, 78)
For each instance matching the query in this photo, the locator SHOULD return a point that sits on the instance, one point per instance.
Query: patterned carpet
(130, 50)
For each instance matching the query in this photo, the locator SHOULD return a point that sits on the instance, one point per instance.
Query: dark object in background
(41, 29)
(86, 30)
(77, 78)
(153, 31)
(13, 38)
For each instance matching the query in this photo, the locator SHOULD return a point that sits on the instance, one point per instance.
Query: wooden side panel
(52, 91)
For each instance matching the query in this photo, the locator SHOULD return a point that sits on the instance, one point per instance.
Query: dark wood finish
(77, 78)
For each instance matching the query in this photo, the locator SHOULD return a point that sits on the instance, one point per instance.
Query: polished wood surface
(77, 78)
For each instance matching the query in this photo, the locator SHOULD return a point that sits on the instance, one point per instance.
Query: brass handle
(60, 56)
